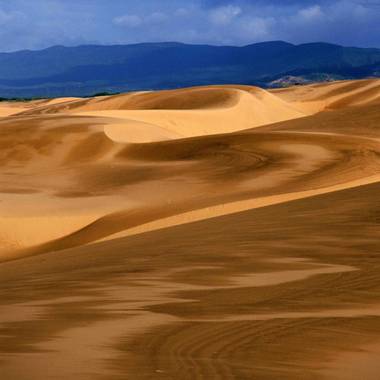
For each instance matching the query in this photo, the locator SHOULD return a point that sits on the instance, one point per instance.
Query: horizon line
(185, 43)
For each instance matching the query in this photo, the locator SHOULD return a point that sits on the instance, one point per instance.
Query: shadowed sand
(197, 233)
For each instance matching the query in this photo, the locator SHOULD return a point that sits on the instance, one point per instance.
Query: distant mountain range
(86, 70)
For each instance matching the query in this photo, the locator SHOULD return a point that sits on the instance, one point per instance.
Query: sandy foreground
(221, 232)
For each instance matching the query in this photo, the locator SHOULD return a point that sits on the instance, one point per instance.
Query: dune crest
(247, 110)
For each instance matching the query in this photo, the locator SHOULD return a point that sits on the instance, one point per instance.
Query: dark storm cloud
(41, 23)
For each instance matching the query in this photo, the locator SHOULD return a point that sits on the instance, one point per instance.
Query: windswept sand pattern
(220, 232)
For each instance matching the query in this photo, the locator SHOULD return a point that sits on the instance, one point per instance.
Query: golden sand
(216, 232)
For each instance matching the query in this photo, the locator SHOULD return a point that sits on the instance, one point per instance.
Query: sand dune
(195, 233)
(150, 116)
(102, 179)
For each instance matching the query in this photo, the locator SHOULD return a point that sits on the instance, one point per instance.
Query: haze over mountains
(85, 70)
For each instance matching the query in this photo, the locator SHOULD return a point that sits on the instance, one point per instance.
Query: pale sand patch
(20, 232)
(61, 100)
(133, 131)
(32, 219)
(6, 111)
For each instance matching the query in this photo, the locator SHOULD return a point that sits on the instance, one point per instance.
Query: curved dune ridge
(155, 116)
(244, 109)
(200, 233)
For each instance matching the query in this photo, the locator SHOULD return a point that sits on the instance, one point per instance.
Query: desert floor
(221, 232)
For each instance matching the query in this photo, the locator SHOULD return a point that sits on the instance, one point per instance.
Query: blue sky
(35, 24)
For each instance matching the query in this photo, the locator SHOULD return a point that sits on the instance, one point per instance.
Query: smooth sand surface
(11, 108)
(220, 232)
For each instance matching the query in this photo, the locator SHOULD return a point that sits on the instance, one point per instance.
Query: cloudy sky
(35, 24)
